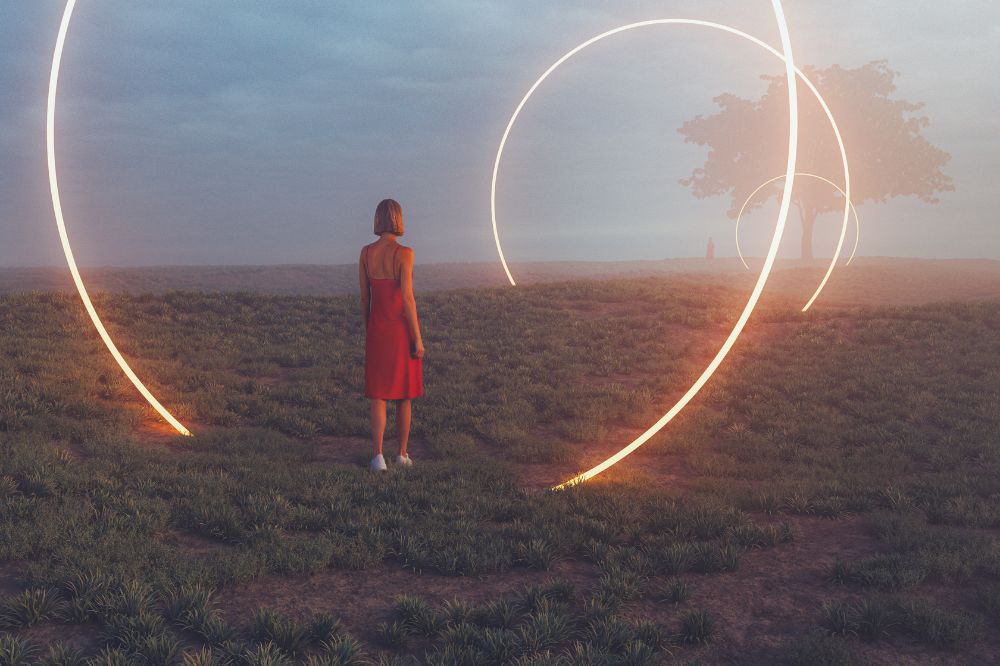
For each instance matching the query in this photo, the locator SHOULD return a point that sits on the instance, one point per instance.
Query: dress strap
(364, 260)
(394, 261)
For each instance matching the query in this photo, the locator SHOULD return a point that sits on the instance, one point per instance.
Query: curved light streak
(61, 223)
(706, 24)
(854, 213)
(793, 130)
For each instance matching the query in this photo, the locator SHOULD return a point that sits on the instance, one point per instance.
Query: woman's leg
(403, 412)
(378, 424)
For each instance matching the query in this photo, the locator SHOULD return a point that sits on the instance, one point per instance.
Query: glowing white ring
(854, 213)
(707, 24)
(793, 127)
(61, 223)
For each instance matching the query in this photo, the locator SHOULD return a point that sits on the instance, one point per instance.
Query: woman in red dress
(393, 347)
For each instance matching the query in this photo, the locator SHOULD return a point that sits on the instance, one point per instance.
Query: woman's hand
(417, 349)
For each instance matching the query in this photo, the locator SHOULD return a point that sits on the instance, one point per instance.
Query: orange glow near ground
(743, 208)
(793, 128)
(61, 223)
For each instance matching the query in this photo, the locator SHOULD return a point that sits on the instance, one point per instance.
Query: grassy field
(832, 497)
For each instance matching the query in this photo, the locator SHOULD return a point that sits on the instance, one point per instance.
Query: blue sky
(194, 132)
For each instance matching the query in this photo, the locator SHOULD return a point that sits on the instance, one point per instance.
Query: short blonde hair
(389, 217)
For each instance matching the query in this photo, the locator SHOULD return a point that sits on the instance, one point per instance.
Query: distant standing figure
(393, 347)
(710, 252)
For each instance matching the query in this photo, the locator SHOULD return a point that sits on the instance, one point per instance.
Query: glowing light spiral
(791, 73)
(694, 22)
(743, 208)
(50, 118)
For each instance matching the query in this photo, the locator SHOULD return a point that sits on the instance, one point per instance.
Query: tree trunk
(808, 217)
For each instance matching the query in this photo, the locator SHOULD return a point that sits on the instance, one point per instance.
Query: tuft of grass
(202, 657)
(621, 583)
(677, 558)
(392, 634)
(265, 654)
(609, 634)
(674, 591)
(155, 649)
(543, 630)
(818, 648)
(891, 571)
(63, 655)
(190, 607)
(324, 628)
(638, 653)
(31, 607)
(8, 486)
(286, 634)
(932, 624)
(345, 650)
(652, 635)
(457, 611)
(498, 614)
(839, 618)
(537, 554)
(17, 651)
(110, 657)
(875, 617)
(131, 599)
(500, 646)
(697, 627)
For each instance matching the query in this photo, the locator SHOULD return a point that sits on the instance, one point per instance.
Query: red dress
(391, 371)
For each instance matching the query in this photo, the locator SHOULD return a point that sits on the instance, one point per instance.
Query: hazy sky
(224, 131)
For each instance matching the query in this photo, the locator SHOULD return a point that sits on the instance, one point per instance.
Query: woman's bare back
(384, 259)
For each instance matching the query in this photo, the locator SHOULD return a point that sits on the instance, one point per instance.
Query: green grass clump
(286, 634)
(17, 651)
(817, 648)
(673, 591)
(418, 616)
(877, 618)
(697, 626)
(393, 634)
(64, 655)
(30, 608)
(932, 624)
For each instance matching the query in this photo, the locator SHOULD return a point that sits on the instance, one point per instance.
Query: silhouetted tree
(888, 155)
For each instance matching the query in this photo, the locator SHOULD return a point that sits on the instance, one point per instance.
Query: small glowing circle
(50, 118)
(743, 208)
(790, 71)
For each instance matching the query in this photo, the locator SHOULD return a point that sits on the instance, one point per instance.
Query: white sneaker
(404, 461)
(378, 463)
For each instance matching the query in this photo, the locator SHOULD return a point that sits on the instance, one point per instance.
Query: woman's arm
(409, 302)
(365, 291)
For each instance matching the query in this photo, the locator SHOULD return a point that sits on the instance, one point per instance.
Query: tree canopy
(888, 154)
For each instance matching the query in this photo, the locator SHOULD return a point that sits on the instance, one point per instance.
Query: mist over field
(868, 280)
(265, 133)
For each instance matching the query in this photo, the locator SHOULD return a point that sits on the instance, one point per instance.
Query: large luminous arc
(707, 24)
(61, 223)
(786, 198)
(743, 208)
